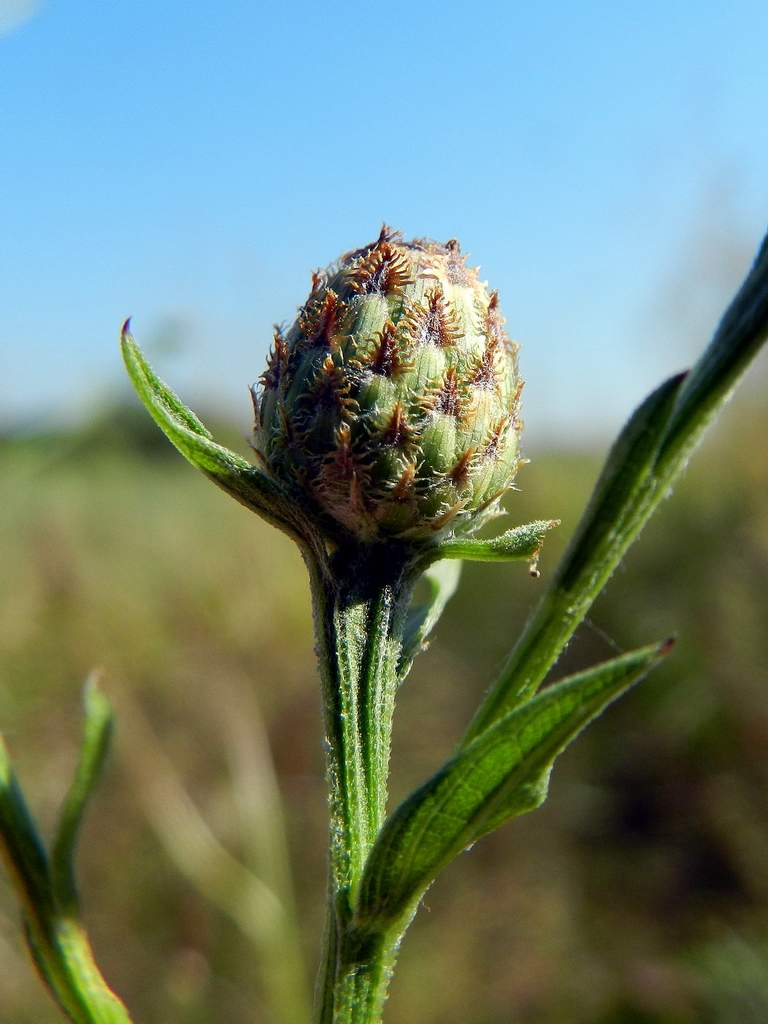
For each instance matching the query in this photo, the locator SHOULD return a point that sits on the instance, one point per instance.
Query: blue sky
(190, 164)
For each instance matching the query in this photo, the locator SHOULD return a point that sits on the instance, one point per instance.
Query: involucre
(391, 405)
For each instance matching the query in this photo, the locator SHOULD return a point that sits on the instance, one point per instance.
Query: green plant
(353, 469)
(45, 881)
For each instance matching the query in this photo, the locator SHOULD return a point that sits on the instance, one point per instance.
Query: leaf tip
(666, 646)
(95, 702)
(128, 346)
(5, 761)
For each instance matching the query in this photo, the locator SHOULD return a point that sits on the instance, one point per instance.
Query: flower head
(391, 405)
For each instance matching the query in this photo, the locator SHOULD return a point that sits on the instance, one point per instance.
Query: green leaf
(45, 887)
(519, 544)
(443, 568)
(648, 457)
(739, 336)
(97, 733)
(22, 847)
(501, 774)
(26, 861)
(149, 386)
(230, 471)
(441, 579)
(601, 538)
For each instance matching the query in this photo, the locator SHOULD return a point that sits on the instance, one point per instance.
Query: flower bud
(390, 406)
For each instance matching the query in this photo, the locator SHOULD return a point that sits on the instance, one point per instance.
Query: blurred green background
(639, 893)
(191, 164)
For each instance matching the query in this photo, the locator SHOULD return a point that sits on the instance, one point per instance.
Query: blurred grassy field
(637, 895)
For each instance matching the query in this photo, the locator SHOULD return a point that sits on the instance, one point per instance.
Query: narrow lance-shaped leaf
(99, 1003)
(97, 733)
(26, 860)
(443, 567)
(738, 338)
(230, 471)
(601, 538)
(45, 886)
(501, 774)
(649, 455)
(522, 543)
(23, 851)
(441, 580)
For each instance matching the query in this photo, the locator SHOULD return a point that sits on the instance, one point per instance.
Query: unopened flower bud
(391, 405)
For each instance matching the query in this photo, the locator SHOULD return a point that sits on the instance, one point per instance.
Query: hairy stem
(360, 601)
(359, 979)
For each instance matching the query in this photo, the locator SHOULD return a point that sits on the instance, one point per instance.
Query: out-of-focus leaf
(23, 850)
(501, 774)
(45, 887)
(97, 733)
(441, 579)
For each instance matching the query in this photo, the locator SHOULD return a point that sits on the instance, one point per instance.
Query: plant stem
(360, 599)
(357, 980)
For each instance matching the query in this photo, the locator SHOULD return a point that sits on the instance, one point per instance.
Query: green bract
(391, 405)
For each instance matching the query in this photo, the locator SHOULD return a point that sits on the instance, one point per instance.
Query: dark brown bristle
(496, 439)
(434, 322)
(404, 486)
(516, 396)
(494, 324)
(398, 431)
(384, 270)
(444, 320)
(449, 400)
(329, 316)
(486, 372)
(341, 458)
(457, 270)
(289, 433)
(387, 357)
(387, 234)
(357, 509)
(439, 522)
(460, 472)
(339, 465)
(277, 360)
(319, 321)
(342, 480)
(329, 391)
